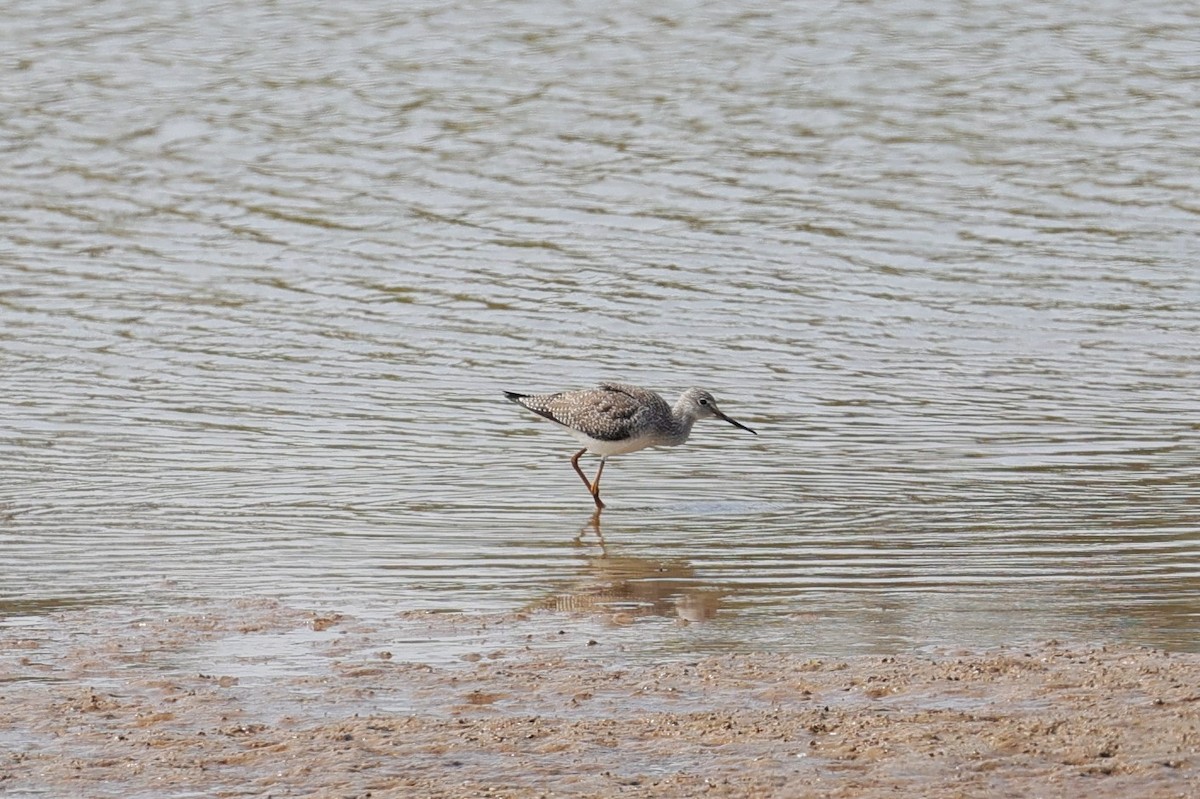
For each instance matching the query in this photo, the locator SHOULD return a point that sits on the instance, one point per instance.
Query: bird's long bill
(733, 422)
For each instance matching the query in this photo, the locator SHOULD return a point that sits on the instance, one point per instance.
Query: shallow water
(268, 270)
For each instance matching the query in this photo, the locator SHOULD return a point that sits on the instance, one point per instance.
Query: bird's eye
(703, 400)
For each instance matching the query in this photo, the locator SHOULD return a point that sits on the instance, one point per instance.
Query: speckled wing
(609, 412)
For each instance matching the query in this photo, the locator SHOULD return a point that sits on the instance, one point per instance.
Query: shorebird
(617, 418)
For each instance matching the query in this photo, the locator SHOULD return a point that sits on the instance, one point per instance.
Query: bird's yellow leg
(596, 484)
(578, 471)
(593, 489)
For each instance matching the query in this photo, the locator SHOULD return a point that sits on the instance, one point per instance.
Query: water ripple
(268, 270)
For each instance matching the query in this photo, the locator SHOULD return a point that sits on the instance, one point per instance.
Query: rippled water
(267, 269)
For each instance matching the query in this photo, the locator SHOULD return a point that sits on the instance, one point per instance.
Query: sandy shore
(113, 703)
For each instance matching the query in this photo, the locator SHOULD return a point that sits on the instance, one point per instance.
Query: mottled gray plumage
(619, 418)
(609, 412)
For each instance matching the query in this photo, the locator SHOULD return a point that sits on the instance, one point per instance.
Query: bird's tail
(514, 396)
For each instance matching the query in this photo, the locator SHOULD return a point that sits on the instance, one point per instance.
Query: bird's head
(703, 405)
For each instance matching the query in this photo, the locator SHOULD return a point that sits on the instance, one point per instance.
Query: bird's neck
(682, 420)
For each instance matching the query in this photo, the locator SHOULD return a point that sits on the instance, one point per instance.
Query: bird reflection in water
(628, 586)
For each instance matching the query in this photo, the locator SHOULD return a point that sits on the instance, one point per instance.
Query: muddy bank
(258, 699)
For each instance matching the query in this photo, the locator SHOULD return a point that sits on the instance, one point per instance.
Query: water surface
(266, 271)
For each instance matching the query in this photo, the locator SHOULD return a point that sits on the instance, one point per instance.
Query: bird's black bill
(734, 422)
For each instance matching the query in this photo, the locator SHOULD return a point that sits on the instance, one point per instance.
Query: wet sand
(260, 699)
